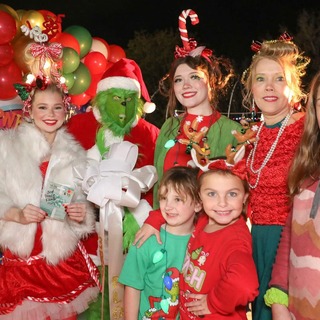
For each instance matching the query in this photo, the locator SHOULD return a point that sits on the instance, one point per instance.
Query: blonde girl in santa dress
(46, 272)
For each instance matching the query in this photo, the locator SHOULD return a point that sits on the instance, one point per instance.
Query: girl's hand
(197, 304)
(144, 233)
(76, 211)
(31, 214)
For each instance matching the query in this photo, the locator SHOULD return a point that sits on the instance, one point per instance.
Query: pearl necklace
(250, 159)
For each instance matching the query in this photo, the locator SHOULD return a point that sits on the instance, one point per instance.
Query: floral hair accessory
(190, 46)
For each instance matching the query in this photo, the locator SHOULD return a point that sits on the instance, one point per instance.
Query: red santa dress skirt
(32, 289)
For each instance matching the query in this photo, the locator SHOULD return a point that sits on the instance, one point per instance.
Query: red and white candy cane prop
(183, 27)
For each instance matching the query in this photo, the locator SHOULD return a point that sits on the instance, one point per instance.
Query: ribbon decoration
(112, 184)
(53, 50)
(34, 33)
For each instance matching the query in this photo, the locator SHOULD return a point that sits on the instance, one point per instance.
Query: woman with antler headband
(195, 80)
(273, 85)
(46, 272)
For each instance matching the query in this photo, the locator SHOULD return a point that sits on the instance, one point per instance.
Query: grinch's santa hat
(126, 74)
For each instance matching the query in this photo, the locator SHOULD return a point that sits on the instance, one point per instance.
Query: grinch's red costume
(117, 108)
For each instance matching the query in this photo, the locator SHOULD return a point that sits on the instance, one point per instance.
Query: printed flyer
(53, 199)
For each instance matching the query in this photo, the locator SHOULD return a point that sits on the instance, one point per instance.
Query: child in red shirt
(218, 275)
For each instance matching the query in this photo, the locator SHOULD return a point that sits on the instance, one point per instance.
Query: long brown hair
(217, 70)
(306, 161)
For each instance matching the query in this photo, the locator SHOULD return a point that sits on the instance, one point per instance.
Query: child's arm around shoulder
(151, 226)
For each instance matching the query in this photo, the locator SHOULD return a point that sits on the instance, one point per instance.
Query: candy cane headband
(190, 47)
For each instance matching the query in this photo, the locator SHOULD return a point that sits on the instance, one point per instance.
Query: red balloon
(6, 54)
(91, 91)
(8, 27)
(116, 53)
(96, 62)
(67, 40)
(9, 74)
(79, 99)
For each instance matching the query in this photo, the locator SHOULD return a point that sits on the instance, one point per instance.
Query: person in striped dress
(295, 282)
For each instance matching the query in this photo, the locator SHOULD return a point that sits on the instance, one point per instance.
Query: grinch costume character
(121, 99)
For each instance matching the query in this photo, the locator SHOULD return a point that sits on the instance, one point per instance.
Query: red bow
(256, 45)
(183, 52)
(239, 169)
(285, 36)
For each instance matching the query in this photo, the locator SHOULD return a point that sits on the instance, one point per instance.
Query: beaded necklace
(250, 159)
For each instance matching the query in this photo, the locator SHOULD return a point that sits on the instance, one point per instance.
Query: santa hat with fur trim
(126, 74)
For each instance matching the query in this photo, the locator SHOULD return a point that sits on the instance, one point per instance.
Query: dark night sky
(226, 26)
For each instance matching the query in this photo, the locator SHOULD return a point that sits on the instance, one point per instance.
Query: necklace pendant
(188, 150)
(169, 144)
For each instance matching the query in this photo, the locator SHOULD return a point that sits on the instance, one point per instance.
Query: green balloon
(70, 60)
(82, 79)
(83, 36)
(69, 80)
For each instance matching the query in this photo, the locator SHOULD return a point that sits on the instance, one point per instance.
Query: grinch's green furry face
(118, 108)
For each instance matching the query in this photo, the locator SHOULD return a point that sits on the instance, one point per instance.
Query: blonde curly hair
(292, 61)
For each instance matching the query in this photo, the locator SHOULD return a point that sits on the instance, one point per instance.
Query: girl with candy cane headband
(46, 272)
(194, 82)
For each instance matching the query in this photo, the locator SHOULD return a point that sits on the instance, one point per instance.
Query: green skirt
(265, 244)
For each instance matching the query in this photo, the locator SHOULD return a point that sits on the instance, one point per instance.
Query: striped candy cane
(183, 27)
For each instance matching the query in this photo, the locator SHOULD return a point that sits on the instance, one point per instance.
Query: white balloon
(99, 46)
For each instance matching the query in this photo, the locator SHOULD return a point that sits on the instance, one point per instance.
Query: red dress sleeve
(155, 219)
(237, 287)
